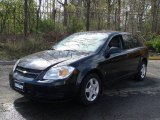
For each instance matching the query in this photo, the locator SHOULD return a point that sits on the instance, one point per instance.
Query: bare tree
(53, 11)
(154, 9)
(38, 12)
(25, 17)
(109, 6)
(65, 4)
(119, 14)
(141, 10)
(88, 5)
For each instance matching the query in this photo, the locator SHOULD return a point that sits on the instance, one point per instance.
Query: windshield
(87, 42)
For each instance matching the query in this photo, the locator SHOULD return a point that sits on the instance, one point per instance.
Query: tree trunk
(53, 11)
(126, 19)
(154, 9)
(141, 14)
(65, 4)
(119, 14)
(25, 17)
(116, 19)
(14, 20)
(65, 13)
(109, 14)
(88, 15)
(38, 11)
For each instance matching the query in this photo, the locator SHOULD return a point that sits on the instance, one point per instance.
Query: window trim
(120, 38)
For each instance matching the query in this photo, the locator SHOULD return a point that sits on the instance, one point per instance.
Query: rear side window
(128, 42)
(131, 42)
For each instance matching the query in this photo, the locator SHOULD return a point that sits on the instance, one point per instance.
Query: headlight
(15, 65)
(55, 73)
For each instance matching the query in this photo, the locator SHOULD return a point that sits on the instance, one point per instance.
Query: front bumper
(59, 90)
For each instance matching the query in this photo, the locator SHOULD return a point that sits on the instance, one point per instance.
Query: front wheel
(142, 70)
(90, 89)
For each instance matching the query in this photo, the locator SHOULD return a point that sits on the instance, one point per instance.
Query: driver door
(115, 65)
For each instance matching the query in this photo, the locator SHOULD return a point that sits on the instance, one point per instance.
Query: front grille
(29, 73)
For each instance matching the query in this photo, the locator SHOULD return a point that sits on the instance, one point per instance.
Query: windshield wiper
(53, 48)
(71, 50)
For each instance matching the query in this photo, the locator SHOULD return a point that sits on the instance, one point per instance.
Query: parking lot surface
(124, 100)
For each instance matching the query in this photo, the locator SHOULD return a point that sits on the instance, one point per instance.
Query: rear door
(133, 52)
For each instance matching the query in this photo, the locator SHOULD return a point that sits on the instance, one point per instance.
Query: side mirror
(112, 50)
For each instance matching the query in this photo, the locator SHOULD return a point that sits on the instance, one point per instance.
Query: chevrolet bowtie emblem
(24, 72)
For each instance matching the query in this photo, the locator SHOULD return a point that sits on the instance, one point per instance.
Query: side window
(128, 42)
(116, 42)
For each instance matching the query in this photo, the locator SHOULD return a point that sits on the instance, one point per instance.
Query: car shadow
(150, 81)
(107, 107)
(68, 110)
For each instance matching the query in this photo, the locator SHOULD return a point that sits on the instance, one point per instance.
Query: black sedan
(79, 66)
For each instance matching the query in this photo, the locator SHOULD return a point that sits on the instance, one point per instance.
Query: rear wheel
(90, 89)
(142, 70)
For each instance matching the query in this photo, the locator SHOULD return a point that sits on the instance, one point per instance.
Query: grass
(154, 58)
(3, 55)
(17, 49)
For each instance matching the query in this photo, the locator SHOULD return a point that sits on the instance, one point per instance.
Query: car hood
(44, 59)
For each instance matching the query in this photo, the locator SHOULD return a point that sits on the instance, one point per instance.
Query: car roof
(106, 31)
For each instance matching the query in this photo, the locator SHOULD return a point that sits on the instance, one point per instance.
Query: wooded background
(25, 17)
(29, 26)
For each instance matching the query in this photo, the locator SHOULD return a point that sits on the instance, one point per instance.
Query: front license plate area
(19, 85)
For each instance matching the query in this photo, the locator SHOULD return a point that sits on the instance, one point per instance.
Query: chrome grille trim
(28, 73)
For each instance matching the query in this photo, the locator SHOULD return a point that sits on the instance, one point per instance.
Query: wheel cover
(143, 71)
(92, 89)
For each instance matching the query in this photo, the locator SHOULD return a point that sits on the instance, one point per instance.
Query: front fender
(87, 71)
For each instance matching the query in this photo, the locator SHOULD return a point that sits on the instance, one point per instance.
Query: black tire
(140, 75)
(83, 99)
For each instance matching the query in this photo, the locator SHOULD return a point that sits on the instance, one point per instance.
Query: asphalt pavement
(124, 100)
